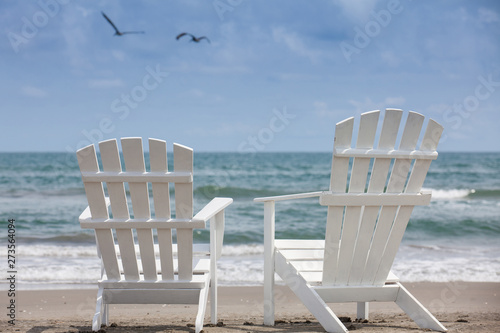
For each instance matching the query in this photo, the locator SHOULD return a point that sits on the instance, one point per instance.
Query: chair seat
(306, 256)
(197, 282)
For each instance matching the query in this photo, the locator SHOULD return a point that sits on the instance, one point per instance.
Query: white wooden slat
(289, 197)
(338, 183)
(393, 242)
(411, 131)
(128, 256)
(343, 133)
(429, 142)
(409, 140)
(158, 296)
(367, 129)
(148, 260)
(116, 191)
(185, 253)
(332, 243)
(396, 184)
(378, 178)
(347, 244)
(300, 243)
(314, 277)
(139, 194)
(141, 223)
(166, 255)
(87, 161)
(343, 138)
(385, 153)
(183, 161)
(390, 129)
(138, 177)
(196, 282)
(307, 265)
(379, 241)
(359, 174)
(357, 183)
(111, 162)
(134, 161)
(363, 242)
(303, 254)
(374, 199)
(415, 182)
(432, 136)
(387, 141)
(387, 293)
(106, 244)
(399, 176)
(158, 162)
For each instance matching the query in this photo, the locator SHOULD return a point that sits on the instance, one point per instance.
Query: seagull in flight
(193, 38)
(118, 32)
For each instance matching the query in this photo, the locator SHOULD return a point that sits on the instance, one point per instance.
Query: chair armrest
(212, 208)
(289, 196)
(214, 211)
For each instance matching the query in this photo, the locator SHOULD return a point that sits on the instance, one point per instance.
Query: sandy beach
(460, 306)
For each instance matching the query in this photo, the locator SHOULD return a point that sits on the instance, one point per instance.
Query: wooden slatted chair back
(372, 193)
(125, 233)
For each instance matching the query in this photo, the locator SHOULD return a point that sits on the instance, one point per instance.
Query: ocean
(456, 237)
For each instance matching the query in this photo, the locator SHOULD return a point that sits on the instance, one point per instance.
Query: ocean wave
(450, 194)
(57, 251)
(439, 194)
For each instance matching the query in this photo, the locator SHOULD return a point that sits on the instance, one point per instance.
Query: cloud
(394, 101)
(294, 43)
(390, 58)
(487, 16)
(33, 92)
(357, 10)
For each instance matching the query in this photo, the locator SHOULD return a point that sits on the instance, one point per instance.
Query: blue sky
(276, 76)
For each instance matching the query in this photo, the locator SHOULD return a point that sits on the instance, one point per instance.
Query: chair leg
(105, 314)
(213, 299)
(416, 311)
(99, 309)
(309, 297)
(269, 256)
(363, 309)
(202, 306)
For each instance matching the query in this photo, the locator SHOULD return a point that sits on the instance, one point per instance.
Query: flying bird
(193, 38)
(118, 32)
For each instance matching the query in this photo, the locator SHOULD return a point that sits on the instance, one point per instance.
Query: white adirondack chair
(137, 269)
(364, 225)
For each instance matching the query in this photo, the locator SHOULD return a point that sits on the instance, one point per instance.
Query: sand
(460, 306)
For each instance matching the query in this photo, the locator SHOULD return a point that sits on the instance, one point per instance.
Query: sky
(275, 76)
